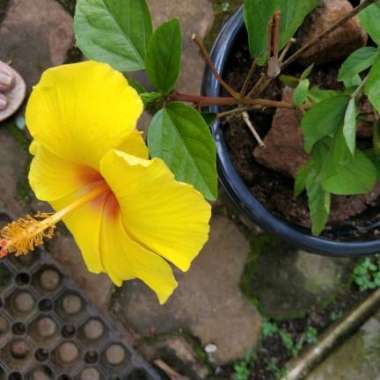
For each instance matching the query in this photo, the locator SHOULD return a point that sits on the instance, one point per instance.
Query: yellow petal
(135, 145)
(85, 225)
(124, 259)
(168, 217)
(80, 111)
(50, 177)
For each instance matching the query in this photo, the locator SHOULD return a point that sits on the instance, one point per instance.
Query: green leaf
(353, 82)
(137, 86)
(357, 62)
(301, 92)
(374, 156)
(307, 71)
(293, 13)
(209, 117)
(323, 120)
(289, 80)
(349, 128)
(179, 135)
(163, 60)
(317, 95)
(344, 173)
(309, 177)
(376, 139)
(372, 87)
(258, 13)
(319, 206)
(358, 176)
(150, 98)
(114, 31)
(300, 181)
(369, 20)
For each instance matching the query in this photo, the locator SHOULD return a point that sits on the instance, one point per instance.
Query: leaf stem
(248, 79)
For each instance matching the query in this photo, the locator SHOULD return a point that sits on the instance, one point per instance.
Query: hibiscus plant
(120, 33)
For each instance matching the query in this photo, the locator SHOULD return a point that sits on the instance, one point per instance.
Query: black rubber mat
(49, 330)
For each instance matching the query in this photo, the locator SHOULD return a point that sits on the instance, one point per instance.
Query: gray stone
(196, 16)
(208, 301)
(13, 163)
(287, 283)
(356, 359)
(35, 35)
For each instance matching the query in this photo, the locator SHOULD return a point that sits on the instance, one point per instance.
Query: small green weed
(272, 366)
(366, 274)
(269, 329)
(243, 368)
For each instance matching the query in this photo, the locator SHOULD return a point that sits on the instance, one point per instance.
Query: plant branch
(248, 79)
(228, 101)
(202, 48)
(251, 127)
(333, 27)
(299, 368)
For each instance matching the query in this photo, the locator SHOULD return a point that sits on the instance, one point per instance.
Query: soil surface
(352, 217)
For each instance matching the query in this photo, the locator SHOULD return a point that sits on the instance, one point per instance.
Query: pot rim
(233, 184)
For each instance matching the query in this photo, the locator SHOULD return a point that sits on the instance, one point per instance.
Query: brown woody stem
(228, 101)
(210, 63)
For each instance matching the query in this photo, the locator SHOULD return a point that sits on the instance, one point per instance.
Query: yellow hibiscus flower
(127, 213)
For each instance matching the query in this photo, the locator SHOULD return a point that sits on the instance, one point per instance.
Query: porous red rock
(338, 44)
(284, 148)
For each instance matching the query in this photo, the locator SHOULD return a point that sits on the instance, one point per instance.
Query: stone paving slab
(208, 301)
(357, 359)
(35, 35)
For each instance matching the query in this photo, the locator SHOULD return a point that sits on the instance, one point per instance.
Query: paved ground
(208, 306)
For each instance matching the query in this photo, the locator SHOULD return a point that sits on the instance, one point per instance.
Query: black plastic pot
(233, 184)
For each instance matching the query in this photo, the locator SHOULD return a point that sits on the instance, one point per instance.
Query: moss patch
(286, 283)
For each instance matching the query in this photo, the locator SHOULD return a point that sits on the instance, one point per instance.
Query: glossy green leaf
(150, 98)
(357, 62)
(358, 176)
(309, 178)
(369, 20)
(376, 139)
(323, 120)
(258, 13)
(372, 87)
(163, 60)
(179, 135)
(319, 202)
(137, 86)
(301, 92)
(349, 128)
(300, 181)
(113, 31)
(344, 173)
(307, 71)
(293, 13)
(289, 80)
(317, 95)
(353, 82)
